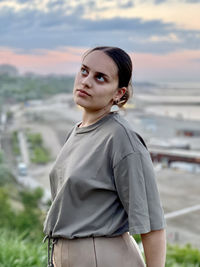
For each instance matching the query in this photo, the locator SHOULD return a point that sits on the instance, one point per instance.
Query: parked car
(22, 168)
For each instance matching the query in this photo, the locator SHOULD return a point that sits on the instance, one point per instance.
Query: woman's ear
(120, 92)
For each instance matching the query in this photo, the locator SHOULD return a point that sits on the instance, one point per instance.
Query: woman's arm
(154, 244)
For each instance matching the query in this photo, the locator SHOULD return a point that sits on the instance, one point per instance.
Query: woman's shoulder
(125, 134)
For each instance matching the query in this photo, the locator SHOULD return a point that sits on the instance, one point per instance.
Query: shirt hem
(144, 230)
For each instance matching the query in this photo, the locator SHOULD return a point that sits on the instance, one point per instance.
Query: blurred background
(41, 43)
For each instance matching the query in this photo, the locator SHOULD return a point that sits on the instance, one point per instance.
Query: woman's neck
(89, 118)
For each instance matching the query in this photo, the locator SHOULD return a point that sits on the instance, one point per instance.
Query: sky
(50, 36)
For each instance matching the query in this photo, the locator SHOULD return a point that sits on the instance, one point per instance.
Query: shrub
(39, 154)
(17, 251)
(34, 139)
(7, 214)
(15, 144)
(29, 219)
(5, 175)
(1, 157)
(185, 256)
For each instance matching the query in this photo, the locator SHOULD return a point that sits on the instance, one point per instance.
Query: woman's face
(96, 83)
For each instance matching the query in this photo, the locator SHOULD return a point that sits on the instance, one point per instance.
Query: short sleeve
(137, 189)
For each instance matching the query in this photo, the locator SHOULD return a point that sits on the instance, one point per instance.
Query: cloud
(192, 1)
(177, 66)
(160, 1)
(187, 1)
(197, 60)
(24, 1)
(126, 4)
(31, 29)
(53, 4)
(167, 38)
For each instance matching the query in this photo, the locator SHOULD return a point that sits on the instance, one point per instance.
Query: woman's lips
(82, 92)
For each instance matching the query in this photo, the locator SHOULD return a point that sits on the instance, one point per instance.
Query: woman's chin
(86, 107)
(80, 103)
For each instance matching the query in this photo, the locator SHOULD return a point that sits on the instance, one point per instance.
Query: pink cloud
(172, 66)
(177, 65)
(62, 61)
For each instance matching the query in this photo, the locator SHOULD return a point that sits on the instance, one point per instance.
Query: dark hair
(124, 65)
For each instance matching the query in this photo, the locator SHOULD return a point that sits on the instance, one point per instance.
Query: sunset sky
(49, 36)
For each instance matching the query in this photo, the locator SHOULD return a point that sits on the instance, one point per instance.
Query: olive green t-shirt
(103, 183)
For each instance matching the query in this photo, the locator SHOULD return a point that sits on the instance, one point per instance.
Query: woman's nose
(86, 81)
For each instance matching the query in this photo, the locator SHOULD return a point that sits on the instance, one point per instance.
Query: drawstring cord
(51, 242)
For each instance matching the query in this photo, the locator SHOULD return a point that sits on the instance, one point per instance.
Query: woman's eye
(100, 78)
(83, 71)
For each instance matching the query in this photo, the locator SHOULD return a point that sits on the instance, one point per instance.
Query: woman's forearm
(154, 244)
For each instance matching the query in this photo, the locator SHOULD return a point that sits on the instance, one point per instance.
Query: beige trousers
(119, 251)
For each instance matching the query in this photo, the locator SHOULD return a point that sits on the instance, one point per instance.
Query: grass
(17, 251)
(39, 154)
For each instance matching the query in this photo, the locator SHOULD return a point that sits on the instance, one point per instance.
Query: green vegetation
(23, 88)
(15, 144)
(5, 175)
(39, 154)
(185, 256)
(21, 230)
(28, 217)
(16, 251)
(1, 157)
(21, 223)
(137, 238)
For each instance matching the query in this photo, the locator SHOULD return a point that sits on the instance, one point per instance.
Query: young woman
(103, 182)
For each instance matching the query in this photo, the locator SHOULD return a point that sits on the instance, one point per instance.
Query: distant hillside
(6, 69)
(15, 87)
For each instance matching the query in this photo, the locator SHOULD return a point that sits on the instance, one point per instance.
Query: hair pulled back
(124, 65)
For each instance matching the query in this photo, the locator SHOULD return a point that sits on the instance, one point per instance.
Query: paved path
(23, 148)
(180, 212)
